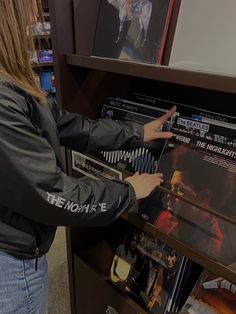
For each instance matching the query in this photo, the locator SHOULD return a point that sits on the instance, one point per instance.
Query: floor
(59, 302)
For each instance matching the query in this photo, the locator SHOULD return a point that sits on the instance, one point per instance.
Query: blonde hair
(16, 42)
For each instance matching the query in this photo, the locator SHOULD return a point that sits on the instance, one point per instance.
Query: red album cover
(133, 29)
(199, 164)
(211, 295)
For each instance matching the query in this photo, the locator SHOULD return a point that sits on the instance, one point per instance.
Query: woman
(36, 194)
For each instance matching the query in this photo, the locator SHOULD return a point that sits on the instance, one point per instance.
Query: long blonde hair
(16, 42)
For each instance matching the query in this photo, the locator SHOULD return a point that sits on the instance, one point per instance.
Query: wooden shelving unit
(43, 42)
(46, 36)
(43, 65)
(83, 83)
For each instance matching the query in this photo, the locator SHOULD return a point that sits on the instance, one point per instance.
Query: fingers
(164, 135)
(144, 184)
(157, 178)
(146, 175)
(154, 179)
(167, 115)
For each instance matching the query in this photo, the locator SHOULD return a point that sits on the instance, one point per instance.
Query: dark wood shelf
(198, 257)
(106, 287)
(43, 65)
(108, 281)
(45, 36)
(212, 81)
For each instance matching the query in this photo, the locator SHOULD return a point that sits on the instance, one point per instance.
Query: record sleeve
(40, 28)
(47, 81)
(144, 109)
(33, 57)
(214, 118)
(211, 295)
(45, 56)
(142, 159)
(182, 109)
(148, 278)
(133, 29)
(198, 163)
(84, 165)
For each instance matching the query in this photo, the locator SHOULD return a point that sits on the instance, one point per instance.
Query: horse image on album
(134, 9)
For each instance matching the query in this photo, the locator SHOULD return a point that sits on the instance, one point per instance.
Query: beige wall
(205, 37)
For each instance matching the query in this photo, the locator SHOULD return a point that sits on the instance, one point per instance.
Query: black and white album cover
(84, 165)
(143, 159)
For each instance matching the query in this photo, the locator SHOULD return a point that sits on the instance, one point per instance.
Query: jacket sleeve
(97, 134)
(32, 185)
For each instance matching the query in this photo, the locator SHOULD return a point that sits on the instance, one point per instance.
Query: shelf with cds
(84, 85)
(42, 56)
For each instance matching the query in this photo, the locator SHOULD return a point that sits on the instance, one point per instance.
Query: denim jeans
(23, 290)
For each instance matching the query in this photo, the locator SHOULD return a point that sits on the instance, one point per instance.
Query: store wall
(205, 37)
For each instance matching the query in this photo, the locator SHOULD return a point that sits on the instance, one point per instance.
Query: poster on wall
(133, 29)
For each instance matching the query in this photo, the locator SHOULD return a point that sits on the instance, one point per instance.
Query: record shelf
(42, 41)
(83, 83)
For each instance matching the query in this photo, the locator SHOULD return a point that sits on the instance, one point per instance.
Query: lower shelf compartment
(94, 295)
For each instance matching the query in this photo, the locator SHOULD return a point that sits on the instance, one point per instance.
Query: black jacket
(35, 193)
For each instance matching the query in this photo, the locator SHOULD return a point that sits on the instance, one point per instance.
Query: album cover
(45, 56)
(33, 57)
(148, 281)
(133, 29)
(211, 295)
(84, 165)
(142, 159)
(215, 118)
(40, 28)
(157, 250)
(182, 109)
(144, 109)
(47, 81)
(198, 163)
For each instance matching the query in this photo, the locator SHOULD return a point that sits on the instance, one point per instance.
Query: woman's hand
(144, 184)
(152, 129)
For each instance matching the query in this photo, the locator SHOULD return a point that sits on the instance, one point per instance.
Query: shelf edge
(212, 81)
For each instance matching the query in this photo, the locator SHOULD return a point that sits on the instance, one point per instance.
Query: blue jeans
(23, 290)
